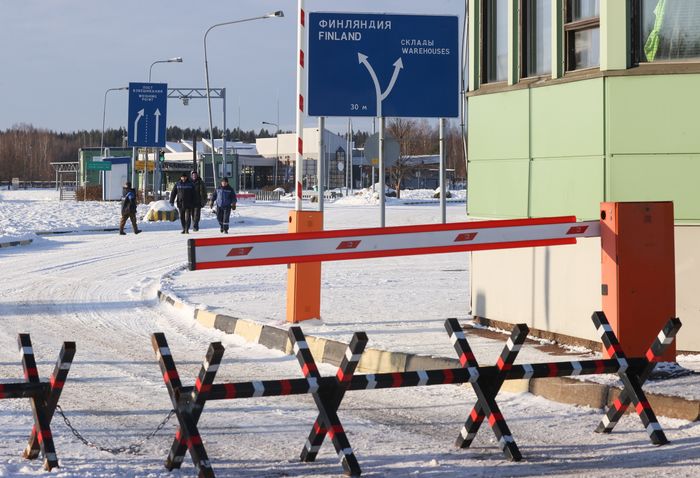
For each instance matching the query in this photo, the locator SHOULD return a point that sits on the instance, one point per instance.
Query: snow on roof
(176, 147)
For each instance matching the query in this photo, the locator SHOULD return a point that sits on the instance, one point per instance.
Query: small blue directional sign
(148, 107)
(383, 65)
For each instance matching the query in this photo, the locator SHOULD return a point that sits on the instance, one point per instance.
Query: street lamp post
(104, 110)
(277, 146)
(156, 163)
(177, 59)
(277, 14)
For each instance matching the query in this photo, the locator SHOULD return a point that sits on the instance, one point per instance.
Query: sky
(59, 57)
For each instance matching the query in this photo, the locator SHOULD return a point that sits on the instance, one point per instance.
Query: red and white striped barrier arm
(345, 244)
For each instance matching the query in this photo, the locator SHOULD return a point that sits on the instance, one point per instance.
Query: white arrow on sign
(377, 88)
(398, 66)
(157, 115)
(136, 125)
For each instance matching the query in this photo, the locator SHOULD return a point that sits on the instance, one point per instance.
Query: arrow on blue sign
(398, 66)
(136, 125)
(147, 108)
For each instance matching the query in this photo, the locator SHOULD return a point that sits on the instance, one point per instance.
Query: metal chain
(133, 448)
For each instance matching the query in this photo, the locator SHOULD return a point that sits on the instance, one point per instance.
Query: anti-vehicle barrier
(328, 392)
(43, 397)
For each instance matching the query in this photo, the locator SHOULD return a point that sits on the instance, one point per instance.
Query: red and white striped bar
(346, 244)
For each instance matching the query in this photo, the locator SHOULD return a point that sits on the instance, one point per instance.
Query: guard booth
(574, 103)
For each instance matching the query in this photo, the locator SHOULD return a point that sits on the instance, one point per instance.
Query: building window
(537, 37)
(495, 41)
(582, 30)
(668, 30)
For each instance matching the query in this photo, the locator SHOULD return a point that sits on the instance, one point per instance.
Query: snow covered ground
(99, 289)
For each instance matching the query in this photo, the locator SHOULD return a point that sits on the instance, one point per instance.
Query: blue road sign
(148, 107)
(383, 65)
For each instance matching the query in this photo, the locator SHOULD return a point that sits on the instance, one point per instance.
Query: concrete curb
(53, 233)
(558, 389)
(23, 242)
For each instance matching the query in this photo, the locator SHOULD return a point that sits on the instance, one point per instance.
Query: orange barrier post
(638, 271)
(304, 280)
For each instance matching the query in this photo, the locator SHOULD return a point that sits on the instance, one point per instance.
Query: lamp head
(177, 59)
(278, 13)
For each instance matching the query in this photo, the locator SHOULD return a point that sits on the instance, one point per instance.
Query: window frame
(637, 44)
(523, 11)
(485, 47)
(570, 28)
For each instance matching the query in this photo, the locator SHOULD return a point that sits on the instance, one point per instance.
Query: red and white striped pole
(301, 103)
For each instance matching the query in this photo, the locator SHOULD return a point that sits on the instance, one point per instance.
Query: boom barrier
(328, 392)
(43, 397)
(345, 244)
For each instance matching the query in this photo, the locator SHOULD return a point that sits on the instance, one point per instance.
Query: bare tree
(405, 131)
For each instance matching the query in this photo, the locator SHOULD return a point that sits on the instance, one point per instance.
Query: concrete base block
(566, 390)
(380, 361)
(250, 331)
(516, 386)
(666, 406)
(334, 352)
(424, 362)
(316, 346)
(225, 323)
(273, 338)
(205, 318)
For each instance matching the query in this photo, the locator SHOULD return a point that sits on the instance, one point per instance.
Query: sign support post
(443, 192)
(382, 187)
(133, 169)
(321, 166)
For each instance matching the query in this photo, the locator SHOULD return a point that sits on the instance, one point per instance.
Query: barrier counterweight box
(638, 275)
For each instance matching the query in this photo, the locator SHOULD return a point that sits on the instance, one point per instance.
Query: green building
(571, 103)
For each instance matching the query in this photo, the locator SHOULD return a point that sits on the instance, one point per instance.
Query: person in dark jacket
(200, 201)
(128, 209)
(225, 199)
(184, 193)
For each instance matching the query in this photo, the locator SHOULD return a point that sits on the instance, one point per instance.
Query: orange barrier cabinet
(304, 279)
(638, 271)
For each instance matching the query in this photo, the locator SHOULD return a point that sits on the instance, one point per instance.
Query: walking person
(128, 209)
(200, 199)
(225, 199)
(184, 193)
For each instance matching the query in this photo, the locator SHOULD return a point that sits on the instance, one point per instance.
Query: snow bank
(366, 196)
(161, 206)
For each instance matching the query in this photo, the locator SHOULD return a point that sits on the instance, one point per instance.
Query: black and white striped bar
(327, 401)
(42, 419)
(345, 372)
(43, 397)
(486, 391)
(195, 401)
(653, 355)
(53, 393)
(188, 427)
(302, 386)
(630, 380)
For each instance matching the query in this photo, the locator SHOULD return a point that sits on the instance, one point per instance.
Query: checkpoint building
(284, 147)
(572, 103)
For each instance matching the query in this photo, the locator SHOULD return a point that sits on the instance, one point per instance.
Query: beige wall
(268, 147)
(557, 288)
